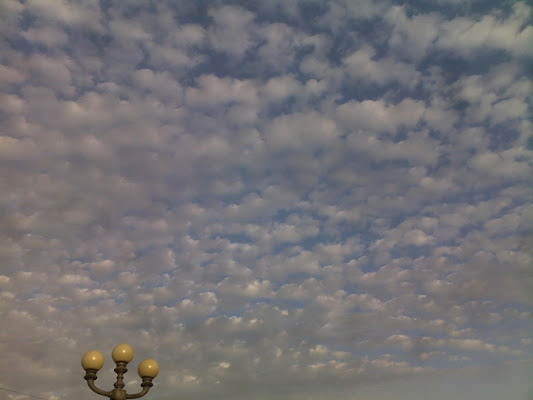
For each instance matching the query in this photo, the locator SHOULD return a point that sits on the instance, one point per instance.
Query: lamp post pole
(122, 354)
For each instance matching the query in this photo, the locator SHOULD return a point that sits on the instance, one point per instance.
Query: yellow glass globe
(92, 359)
(122, 352)
(148, 368)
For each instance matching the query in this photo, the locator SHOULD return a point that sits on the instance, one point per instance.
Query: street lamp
(122, 354)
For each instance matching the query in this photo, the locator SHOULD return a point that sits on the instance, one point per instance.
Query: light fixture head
(122, 352)
(148, 368)
(92, 359)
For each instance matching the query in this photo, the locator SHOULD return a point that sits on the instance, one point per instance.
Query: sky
(279, 199)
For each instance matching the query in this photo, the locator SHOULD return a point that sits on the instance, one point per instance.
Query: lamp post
(122, 354)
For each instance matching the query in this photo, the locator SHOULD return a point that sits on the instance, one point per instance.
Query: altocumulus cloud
(275, 200)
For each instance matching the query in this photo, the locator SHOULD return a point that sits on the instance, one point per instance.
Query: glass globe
(92, 359)
(122, 352)
(148, 368)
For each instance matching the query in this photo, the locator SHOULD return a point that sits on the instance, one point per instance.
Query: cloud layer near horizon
(284, 200)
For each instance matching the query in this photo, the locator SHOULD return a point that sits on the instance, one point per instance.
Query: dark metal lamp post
(122, 354)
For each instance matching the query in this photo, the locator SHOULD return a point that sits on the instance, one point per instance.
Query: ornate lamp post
(122, 354)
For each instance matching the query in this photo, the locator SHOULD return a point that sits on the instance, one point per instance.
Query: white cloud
(490, 31)
(380, 116)
(161, 84)
(412, 36)
(280, 43)
(300, 132)
(471, 344)
(281, 87)
(361, 65)
(403, 341)
(505, 164)
(51, 72)
(85, 14)
(231, 32)
(300, 195)
(48, 36)
(213, 90)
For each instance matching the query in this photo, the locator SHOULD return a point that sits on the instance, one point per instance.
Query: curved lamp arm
(93, 387)
(140, 394)
(146, 385)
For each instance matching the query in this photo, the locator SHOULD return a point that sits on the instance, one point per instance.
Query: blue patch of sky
(401, 134)
(309, 11)
(26, 19)
(393, 92)
(297, 55)
(346, 230)
(133, 9)
(529, 143)
(470, 197)
(502, 136)
(455, 65)
(196, 12)
(297, 277)
(388, 165)
(278, 108)
(396, 92)
(374, 31)
(233, 238)
(196, 328)
(497, 331)
(144, 63)
(360, 90)
(212, 272)
(468, 8)
(356, 344)
(283, 213)
(221, 65)
(26, 293)
(411, 251)
(20, 44)
(446, 157)
(443, 361)
(461, 108)
(290, 304)
(105, 5)
(92, 43)
(516, 306)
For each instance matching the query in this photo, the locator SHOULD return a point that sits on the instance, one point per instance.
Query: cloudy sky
(279, 199)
